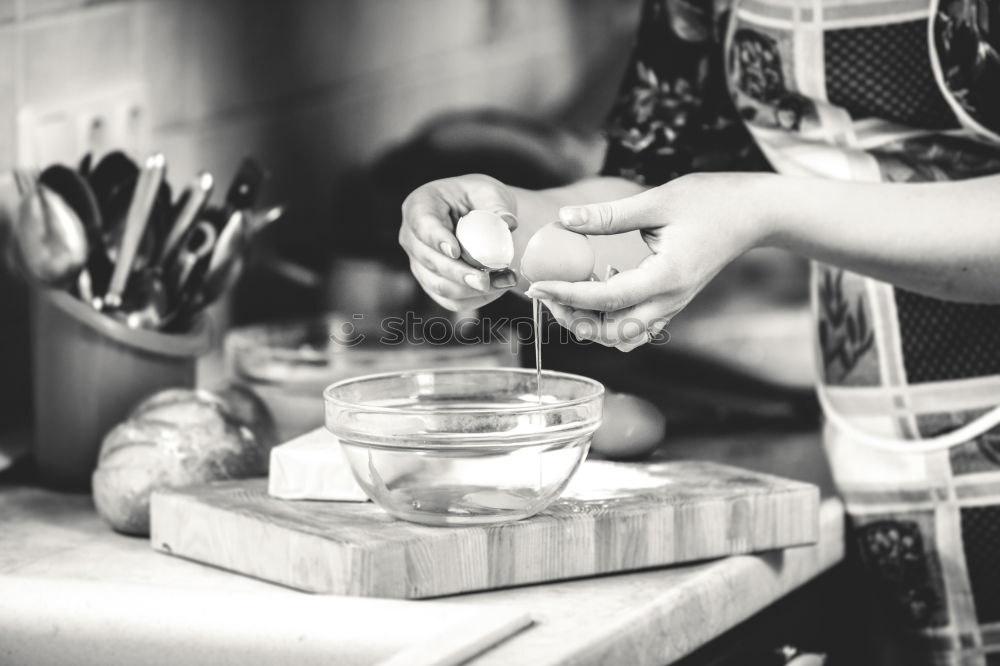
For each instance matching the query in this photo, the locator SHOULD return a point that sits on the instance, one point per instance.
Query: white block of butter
(313, 467)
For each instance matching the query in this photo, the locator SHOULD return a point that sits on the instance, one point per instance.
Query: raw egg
(555, 253)
(485, 240)
(632, 427)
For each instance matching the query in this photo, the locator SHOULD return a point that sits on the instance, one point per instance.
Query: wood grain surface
(694, 511)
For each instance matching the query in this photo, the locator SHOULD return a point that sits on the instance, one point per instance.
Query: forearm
(939, 239)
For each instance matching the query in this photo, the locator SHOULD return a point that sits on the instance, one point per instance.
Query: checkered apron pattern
(910, 385)
(875, 91)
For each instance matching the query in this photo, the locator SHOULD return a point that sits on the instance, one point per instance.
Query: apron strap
(969, 431)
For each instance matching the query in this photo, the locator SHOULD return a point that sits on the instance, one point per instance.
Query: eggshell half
(485, 239)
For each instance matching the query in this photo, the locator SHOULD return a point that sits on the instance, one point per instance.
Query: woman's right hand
(427, 236)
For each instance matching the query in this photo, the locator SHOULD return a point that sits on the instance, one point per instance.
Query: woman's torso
(866, 90)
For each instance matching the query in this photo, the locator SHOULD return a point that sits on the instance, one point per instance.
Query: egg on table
(485, 240)
(556, 253)
(631, 428)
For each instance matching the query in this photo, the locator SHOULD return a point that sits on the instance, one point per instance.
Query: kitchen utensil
(225, 263)
(115, 216)
(113, 172)
(86, 164)
(157, 226)
(76, 192)
(464, 446)
(244, 189)
(192, 253)
(613, 517)
(85, 289)
(192, 201)
(289, 364)
(258, 220)
(113, 180)
(229, 246)
(89, 371)
(143, 199)
(183, 276)
(292, 271)
(161, 219)
(152, 301)
(51, 240)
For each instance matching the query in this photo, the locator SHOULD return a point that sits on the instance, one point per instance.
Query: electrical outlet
(110, 119)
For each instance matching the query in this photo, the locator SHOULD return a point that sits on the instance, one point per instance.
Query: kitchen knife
(150, 178)
(245, 188)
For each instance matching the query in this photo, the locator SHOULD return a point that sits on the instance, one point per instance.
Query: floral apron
(876, 91)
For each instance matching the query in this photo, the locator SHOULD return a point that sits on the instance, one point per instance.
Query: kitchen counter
(648, 617)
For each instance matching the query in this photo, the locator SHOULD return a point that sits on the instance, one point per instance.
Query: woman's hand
(429, 216)
(693, 225)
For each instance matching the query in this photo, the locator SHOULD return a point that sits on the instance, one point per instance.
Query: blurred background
(315, 90)
(349, 104)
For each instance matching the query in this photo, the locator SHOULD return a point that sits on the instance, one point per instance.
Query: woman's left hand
(694, 226)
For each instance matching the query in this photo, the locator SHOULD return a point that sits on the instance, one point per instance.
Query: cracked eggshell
(485, 240)
(556, 253)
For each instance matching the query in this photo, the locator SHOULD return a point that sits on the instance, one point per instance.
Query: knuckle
(447, 288)
(412, 201)
(426, 261)
(606, 216)
(482, 180)
(612, 302)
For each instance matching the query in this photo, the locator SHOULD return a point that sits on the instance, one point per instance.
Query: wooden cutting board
(613, 517)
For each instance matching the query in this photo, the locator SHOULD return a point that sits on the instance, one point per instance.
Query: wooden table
(649, 617)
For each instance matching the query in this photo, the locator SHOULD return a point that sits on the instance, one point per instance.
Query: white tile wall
(8, 99)
(66, 55)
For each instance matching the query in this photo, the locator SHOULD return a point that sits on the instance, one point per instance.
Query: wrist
(739, 205)
(759, 198)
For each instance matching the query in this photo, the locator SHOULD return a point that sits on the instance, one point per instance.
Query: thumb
(613, 217)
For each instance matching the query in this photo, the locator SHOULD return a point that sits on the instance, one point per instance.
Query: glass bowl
(464, 446)
(288, 364)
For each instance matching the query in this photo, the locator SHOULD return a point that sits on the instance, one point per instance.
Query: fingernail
(504, 280)
(574, 216)
(479, 282)
(448, 250)
(540, 294)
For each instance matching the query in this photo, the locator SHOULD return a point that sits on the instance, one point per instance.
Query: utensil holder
(89, 371)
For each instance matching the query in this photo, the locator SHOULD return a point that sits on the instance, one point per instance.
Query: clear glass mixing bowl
(463, 446)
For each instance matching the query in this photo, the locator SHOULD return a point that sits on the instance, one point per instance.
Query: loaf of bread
(179, 437)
